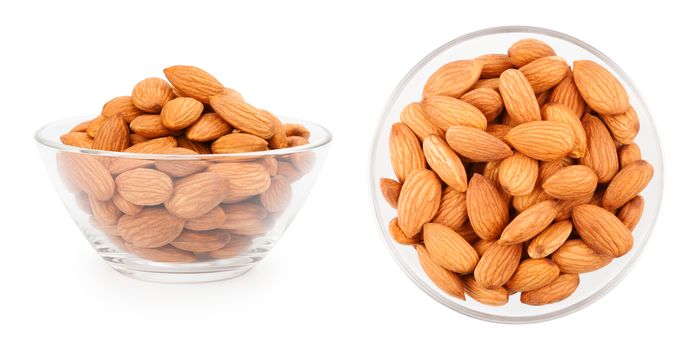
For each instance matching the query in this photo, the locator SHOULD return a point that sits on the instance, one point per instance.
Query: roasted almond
(195, 195)
(445, 111)
(488, 210)
(602, 230)
(571, 182)
(560, 289)
(445, 162)
(444, 279)
(533, 274)
(529, 223)
(419, 200)
(550, 239)
(627, 184)
(542, 140)
(518, 97)
(476, 144)
(193, 82)
(575, 256)
(152, 227)
(405, 151)
(453, 79)
(545, 73)
(527, 50)
(601, 153)
(517, 174)
(497, 265)
(151, 94)
(144, 186)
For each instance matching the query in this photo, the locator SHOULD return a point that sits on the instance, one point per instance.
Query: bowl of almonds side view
(183, 180)
(516, 174)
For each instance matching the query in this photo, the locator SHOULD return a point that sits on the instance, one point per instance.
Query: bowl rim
(325, 138)
(432, 291)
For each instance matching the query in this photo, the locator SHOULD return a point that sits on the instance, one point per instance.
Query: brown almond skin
(279, 138)
(243, 215)
(527, 50)
(491, 83)
(158, 145)
(533, 274)
(628, 154)
(499, 131)
(419, 201)
(518, 97)
(623, 127)
(627, 184)
(243, 116)
(521, 203)
(238, 143)
(390, 190)
(208, 127)
(492, 65)
(201, 241)
(153, 227)
(493, 297)
(236, 246)
(481, 246)
(415, 116)
(567, 94)
(448, 249)
(113, 135)
(121, 107)
(247, 179)
(600, 89)
(144, 186)
(278, 196)
(195, 195)
(488, 101)
(95, 125)
(487, 208)
(405, 151)
(399, 236)
(77, 139)
(193, 82)
(575, 256)
(545, 73)
(210, 220)
(180, 167)
(445, 162)
(549, 240)
(125, 206)
(162, 254)
(199, 147)
(571, 182)
(151, 94)
(602, 230)
(453, 79)
(631, 213)
(476, 144)
(445, 112)
(87, 173)
(601, 153)
(517, 174)
(447, 281)
(104, 212)
(542, 140)
(529, 223)
(560, 113)
(566, 207)
(181, 112)
(453, 209)
(296, 130)
(497, 265)
(560, 289)
(149, 126)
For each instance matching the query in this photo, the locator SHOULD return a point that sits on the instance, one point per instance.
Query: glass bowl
(224, 242)
(592, 285)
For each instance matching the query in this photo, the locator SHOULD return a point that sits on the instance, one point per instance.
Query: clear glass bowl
(497, 40)
(252, 227)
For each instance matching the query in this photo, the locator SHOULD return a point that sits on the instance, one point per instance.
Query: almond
(475, 144)
(542, 140)
(550, 239)
(243, 215)
(121, 107)
(270, 163)
(162, 254)
(149, 126)
(545, 73)
(296, 130)
(494, 297)
(488, 101)
(144, 186)
(448, 249)
(120, 165)
(624, 127)
(445, 111)
(104, 212)
(151, 94)
(88, 174)
(532, 274)
(628, 154)
(482, 246)
(488, 210)
(193, 82)
(631, 213)
(542, 98)
(243, 116)
(602, 230)
(499, 131)
(547, 169)
(245, 178)
(211, 220)
(566, 93)
(181, 112)
(525, 51)
(195, 195)
(81, 127)
(453, 79)
(112, 136)
(446, 280)
(566, 206)
(601, 153)
(125, 206)
(200, 148)
(600, 89)
(518, 97)
(445, 162)
(238, 143)
(560, 289)
(390, 190)
(77, 139)
(151, 228)
(415, 117)
(180, 167)
(236, 246)
(497, 265)
(453, 209)
(208, 127)
(399, 236)
(517, 174)
(154, 146)
(571, 182)
(419, 201)
(529, 223)
(279, 136)
(520, 203)
(95, 125)
(560, 113)
(575, 256)
(278, 196)
(405, 151)
(492, 65)
(201, 241)
(491, 83)
(627, 184)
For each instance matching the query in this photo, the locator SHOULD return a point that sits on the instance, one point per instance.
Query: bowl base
(181, 277)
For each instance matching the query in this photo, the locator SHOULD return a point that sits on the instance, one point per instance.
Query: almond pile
(515, 174)
(183, 210)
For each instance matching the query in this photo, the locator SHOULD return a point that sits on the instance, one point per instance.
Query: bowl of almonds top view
(516, 174)
(183, 180)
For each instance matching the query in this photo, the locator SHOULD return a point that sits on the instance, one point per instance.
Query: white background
(330, 283)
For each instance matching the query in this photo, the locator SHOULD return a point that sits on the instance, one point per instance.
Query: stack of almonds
(183, 210)
(515, 174)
